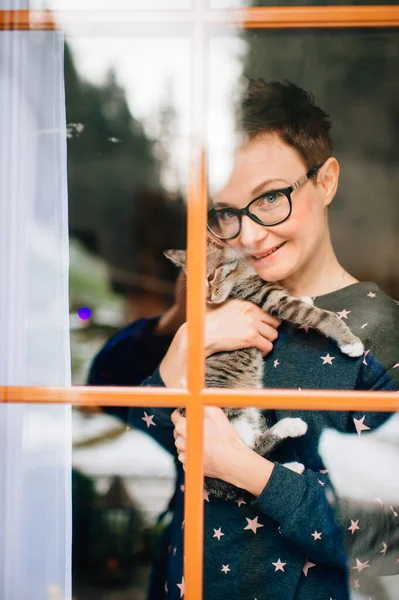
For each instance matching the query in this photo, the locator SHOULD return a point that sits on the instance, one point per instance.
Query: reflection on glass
(362, 470)
(128, 118)
(347, 459)
(122, 482)
(358, 90)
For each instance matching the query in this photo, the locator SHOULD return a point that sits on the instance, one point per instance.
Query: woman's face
(261, 165)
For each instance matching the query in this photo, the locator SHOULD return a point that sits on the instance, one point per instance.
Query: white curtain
(35, 440)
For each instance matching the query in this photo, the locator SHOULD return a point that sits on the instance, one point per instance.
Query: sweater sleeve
(300, 506)
(154, 421)
(127, 359)
(130, 358)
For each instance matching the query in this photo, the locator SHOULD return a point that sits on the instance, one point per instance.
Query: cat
(229, 276)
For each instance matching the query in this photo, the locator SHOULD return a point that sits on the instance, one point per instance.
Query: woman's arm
(300, 504)
(233, 325)
(133, 354)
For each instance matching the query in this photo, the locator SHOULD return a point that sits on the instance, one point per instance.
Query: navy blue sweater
(287, 543)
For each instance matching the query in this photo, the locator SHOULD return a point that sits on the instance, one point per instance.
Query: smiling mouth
(272, 251)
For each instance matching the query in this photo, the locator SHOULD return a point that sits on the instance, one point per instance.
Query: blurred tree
(117, 206)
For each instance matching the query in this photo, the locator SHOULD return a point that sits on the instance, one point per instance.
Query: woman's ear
(327, 179)
(178, 257)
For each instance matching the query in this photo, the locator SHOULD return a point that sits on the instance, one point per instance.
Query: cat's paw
(307, 300)
(297, 467)
(290, 428)
(353, 350)
(222, 489)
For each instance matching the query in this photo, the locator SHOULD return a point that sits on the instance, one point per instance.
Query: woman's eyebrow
(255, 192)
(220, 205)
(258, 189)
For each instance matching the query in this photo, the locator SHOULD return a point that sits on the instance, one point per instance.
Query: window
(198, 28)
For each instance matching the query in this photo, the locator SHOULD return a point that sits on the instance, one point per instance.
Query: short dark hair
(284, 109)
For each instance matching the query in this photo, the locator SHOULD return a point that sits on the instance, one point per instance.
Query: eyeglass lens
(270, 209)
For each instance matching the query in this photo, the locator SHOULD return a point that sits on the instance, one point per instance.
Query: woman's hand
(221, 441)
(225, 455)
(233, 325)
(239, 324)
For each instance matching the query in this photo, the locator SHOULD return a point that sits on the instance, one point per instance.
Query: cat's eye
(210, 278)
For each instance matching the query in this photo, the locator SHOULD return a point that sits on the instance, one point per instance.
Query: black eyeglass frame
(245, 211)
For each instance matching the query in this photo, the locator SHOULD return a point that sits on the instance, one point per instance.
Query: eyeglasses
(269, 209)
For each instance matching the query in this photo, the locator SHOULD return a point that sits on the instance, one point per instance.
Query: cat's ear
(178, 257)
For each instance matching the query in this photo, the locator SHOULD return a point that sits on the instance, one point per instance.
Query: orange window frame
(202, 20)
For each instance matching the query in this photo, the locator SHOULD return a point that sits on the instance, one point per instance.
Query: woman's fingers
(174, 417)
(269, 320)
(180, 442)
(238, 324)
(182, 457)
(268, 332)
(264, 345)
(179, 433)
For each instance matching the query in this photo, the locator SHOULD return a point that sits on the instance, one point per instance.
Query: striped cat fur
(230, 276)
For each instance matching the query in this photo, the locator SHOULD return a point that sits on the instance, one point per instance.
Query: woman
(282, 539)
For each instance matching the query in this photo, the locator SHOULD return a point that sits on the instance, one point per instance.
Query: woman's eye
(226, 214)
(270, 198)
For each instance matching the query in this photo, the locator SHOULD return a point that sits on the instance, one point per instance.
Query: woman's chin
(275, 274)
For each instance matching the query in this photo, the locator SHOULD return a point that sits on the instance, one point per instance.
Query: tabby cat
(229, 276)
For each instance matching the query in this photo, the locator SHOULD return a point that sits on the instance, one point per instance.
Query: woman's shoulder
(362, 304)
(372, 315)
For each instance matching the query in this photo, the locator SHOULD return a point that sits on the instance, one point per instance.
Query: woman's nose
(251, 232)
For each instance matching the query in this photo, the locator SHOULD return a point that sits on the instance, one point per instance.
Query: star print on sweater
(354, 526)
(360, 425)
(327, 360)
(149, 420)
(218, 533)
(360, 566)
(181, 586)
(279, 565)
(253, 524)
(292, 520)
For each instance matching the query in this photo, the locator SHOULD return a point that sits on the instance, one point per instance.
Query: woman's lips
(269, 255)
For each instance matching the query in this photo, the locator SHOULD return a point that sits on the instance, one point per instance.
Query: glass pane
(128, 169)
(347, 458)
(358, 90)
(128, 122)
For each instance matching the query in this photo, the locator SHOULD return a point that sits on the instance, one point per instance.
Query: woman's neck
(323, 276)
